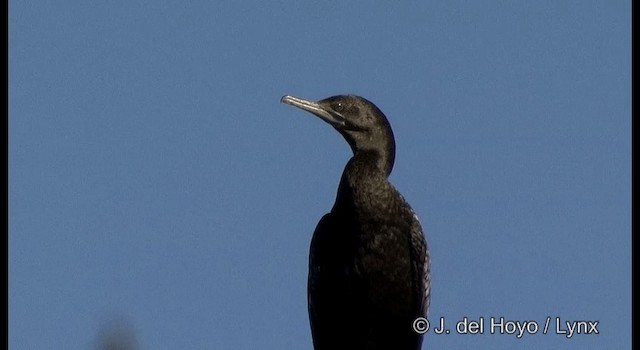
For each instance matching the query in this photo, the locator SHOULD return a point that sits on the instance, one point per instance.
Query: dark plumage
(368, 262)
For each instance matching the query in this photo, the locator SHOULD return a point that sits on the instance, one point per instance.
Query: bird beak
(316, 109)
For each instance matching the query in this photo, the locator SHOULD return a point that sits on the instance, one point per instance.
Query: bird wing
(325, 226)
(421, 265)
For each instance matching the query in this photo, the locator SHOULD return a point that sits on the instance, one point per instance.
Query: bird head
(359, 121)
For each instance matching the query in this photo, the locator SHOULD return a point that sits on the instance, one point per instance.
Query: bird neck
(364, 178)
(371, 161)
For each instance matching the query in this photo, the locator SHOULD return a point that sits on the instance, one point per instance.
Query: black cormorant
(369, 273)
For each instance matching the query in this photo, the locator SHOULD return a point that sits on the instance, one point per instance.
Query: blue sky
(155, 178)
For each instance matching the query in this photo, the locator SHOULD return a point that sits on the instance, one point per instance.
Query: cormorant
(369, 275)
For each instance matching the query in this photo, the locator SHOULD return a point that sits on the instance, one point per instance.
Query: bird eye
(339, 107)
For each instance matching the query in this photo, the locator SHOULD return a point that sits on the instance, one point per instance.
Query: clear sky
(156, 179)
